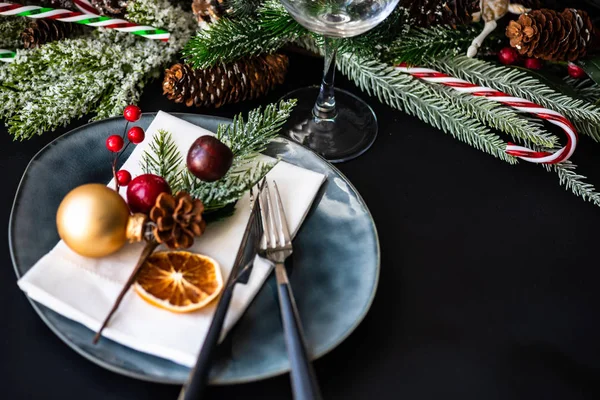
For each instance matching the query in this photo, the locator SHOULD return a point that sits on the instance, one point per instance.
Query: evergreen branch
(246, 139)
(228, 40)
(163, 158)
(49, 86)
(10, 31)
(421, 44)
(415, 97)
(575, 182)
(518, 83)
(227, 190)
(502, 118)
(244, 8)
(586, 88)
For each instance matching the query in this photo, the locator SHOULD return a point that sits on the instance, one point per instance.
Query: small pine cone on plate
(177, 219)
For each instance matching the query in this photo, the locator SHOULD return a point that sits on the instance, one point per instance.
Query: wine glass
(339, 125)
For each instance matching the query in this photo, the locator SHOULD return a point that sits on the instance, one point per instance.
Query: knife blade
(198, 378)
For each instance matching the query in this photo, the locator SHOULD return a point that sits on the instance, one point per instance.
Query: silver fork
(276, 247)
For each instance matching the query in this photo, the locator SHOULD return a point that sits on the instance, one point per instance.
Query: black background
(488, 289)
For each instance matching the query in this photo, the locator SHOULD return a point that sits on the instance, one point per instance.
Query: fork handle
(304, 381)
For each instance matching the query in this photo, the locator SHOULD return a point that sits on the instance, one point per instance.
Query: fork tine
(272, 239)
(264, 243)
(284, 232)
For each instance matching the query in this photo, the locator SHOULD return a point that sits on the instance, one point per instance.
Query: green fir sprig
(246, 138)
(164, 159)
(100, 73)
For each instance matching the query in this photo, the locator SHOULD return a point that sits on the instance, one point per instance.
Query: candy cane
(7, 55)
(84, 19)
(86, 7)
(524, 153)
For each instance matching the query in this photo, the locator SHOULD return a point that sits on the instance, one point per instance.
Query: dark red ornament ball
(533, 63)
(209, 159)
(136, 135)
(114, 143)
(132, 113)
(575, 71)
(123, 177)
(508, 56)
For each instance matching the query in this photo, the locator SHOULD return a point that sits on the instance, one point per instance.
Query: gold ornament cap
(136, 226)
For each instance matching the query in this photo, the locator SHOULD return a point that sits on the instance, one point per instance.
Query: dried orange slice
(179, 281)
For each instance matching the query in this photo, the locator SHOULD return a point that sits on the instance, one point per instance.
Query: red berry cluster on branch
(116, 144)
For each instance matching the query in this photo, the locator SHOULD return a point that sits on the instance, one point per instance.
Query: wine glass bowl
(339, 18)
(339, 125)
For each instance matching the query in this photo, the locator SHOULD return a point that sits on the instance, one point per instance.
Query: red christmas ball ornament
(209, 159)
(114, 143)
(143, 190)
(123, 177)
(575, 71)
(132, 113)
(508, 56)
(533, 63)
(136, 135)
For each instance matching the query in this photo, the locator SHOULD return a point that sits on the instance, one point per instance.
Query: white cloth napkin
(84, 289)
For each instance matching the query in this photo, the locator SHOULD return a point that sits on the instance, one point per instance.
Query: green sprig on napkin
(246, 138)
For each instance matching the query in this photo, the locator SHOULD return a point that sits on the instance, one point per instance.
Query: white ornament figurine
(491, 11)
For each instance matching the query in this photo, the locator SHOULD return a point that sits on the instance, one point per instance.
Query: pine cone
(42, 31)
(178, 220)
(226, 83)
(113, 8)
(552, 36)
(209, 11)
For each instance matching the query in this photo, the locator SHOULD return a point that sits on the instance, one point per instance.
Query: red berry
(136, 135)
(533, 63)
(575, 71)
(143, 191)
(132, 113)
(123, 177)
(209, 159)
(114, 143)
(508, 56)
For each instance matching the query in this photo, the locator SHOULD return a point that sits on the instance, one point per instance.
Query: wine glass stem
(325, 106)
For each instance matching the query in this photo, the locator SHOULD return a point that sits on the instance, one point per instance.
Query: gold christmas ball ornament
(94, 221)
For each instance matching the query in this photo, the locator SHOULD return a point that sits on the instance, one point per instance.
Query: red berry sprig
(534, 64)
(123, 177)
(116, 144)
(132, 113)
(575, 71)
(136, 135)
(508, 56)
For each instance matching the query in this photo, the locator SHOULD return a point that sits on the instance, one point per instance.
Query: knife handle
(197, 381)
(304, 381)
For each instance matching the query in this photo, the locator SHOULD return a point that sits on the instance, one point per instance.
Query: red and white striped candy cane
(517, 103)
(86, 7)
(83, 18)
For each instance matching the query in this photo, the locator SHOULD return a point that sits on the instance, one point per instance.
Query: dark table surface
(488, 289)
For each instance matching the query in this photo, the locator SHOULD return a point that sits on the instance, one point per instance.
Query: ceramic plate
(336, 261)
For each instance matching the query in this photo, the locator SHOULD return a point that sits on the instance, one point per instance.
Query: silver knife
(198, 378)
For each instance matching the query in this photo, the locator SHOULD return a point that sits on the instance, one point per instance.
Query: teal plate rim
(132, 374)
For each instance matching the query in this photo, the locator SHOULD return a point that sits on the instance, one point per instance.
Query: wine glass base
(347, 136)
